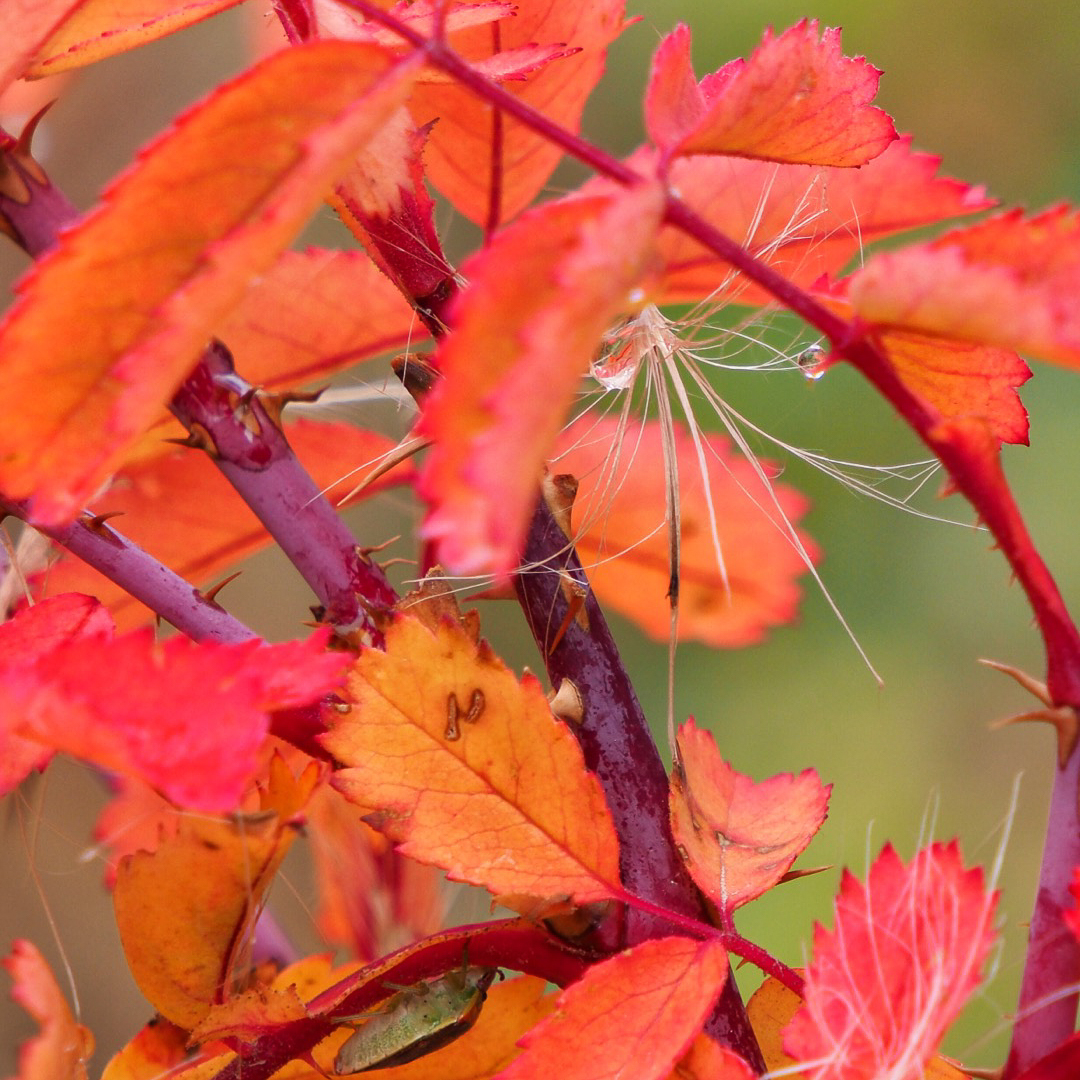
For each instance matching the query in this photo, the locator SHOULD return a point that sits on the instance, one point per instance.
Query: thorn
(404, 450)
(559, 492)
(211, 593)
(198, 438)
(566, 703)
(365, 553)
(794, 875)
(575, 594)
(96, 523)
(1064, 718)
(274, 401)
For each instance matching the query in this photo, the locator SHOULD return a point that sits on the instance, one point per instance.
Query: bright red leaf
(622, 537)
(62, 1049)
(633, 1015)
(463, 764)
(492, 179)
(181, 509)
(740, 837)
(1010, 281)
(187, 717)
(29, 639)
(147, 276)
(906, 953)
(1072, 915)
(796, 99)
(804, 221)
(541, 296)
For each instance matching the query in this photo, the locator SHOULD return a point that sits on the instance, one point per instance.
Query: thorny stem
(249, 447)
(620, 749)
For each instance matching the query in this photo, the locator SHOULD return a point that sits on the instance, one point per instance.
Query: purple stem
(620, 749)
(173, 598)
(251, 450)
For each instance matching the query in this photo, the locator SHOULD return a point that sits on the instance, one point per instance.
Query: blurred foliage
(995, 90)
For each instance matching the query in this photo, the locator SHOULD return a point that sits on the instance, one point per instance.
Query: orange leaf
(634, 1015)
(314, 313)
(740, 837)
(797, 99)
(469, 770)
(159, 1049)
(708, 1060)
(540, 297)
(1009, 281)
(109, 322)
(961, 380)
(98, 29)
(804, 221)
(181, 509)
(622, 537)
(30, 637)
(885, 984)
(62, 1049)
(187, 717)
(461, 156)
(186, 910)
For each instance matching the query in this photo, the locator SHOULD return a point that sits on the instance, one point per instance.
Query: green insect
(416, 1021)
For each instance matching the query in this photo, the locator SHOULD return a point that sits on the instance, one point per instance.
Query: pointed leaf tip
(907, 951)
(797, 99)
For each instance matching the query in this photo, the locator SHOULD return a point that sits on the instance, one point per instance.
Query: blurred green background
(994, 88)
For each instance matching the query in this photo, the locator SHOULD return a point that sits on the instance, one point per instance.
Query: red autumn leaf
(185, 911)
(740, 837)
(62, 1049)
(797, 99)
(622, 537)
(1010, 281)
(633, 1015)
(462, 763)
(338, 21)
(187, 717)
(183, 231)
(27, 639)
(94, 31)
(804, 221)
(541, 296)
(178, 506)
(159, 1049)
(314, 313)
(491, 180)
(907, 951)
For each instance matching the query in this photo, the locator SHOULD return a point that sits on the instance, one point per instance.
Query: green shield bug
(416, 1021)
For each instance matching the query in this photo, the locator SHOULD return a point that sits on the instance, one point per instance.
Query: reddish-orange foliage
(634, 1015)
(906, 952)
(797, 99)
(62, 1049)
(727, 598)
(74, 401)
(740, 837)
(542, 294)
(460, 762)
(206, 704)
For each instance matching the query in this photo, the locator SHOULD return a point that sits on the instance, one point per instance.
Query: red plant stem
(174, 599)
(251, 450)
(534, 951)
(619, 748)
